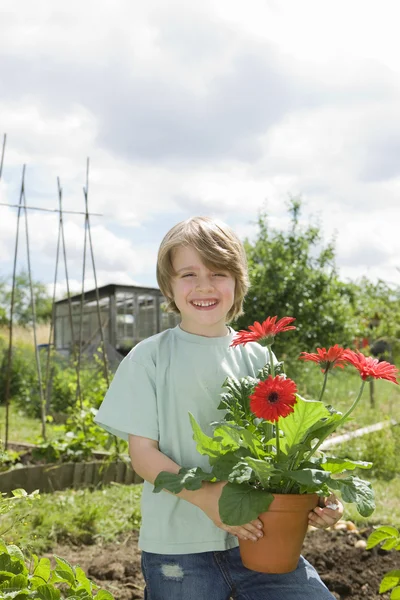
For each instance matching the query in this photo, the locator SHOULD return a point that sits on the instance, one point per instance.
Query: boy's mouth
(204, 304)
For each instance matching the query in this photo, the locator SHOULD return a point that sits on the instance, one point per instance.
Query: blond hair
(219, 248)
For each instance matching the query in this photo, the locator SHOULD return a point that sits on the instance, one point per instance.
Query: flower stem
(277, 440)
(352, 407)
(271, 362)
(324, 384)
(340, 422)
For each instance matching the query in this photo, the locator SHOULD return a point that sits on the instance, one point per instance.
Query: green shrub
(23, 381)
(382, 448)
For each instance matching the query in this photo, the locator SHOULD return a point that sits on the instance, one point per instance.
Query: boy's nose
(204, 283)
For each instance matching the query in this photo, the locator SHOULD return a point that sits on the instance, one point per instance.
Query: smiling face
(203, 296)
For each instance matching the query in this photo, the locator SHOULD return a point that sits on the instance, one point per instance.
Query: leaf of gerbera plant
(236, 397)
(338, 465)
(310, 480)
(206, 444)
(262, 469)
(222, 466)
(354, 489)
(190, 479)
(241, 473)
(265, 372)
(241, 503)
(297, 424)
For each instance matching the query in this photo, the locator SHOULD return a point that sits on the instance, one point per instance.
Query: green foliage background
(293, 273)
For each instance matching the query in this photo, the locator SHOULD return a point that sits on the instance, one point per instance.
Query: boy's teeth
(204, 303)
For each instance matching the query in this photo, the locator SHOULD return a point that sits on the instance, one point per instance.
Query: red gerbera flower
(273, 398)
(263, 331)
(327, 359)
(370, 368)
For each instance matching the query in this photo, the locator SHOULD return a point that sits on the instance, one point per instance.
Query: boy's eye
(188, 275)
(219, 274)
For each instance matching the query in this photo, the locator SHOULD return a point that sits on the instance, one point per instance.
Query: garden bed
(348, 571)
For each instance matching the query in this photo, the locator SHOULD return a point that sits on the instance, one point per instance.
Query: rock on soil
(349, 571)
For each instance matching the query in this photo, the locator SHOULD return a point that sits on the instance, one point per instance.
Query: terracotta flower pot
(285, 526)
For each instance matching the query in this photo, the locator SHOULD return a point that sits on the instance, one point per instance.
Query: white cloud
(217, 108)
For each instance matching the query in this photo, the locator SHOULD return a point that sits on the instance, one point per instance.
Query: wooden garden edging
(338, 439)
(49, 478)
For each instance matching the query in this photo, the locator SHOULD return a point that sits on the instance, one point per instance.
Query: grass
(74, 516)
(21, 427)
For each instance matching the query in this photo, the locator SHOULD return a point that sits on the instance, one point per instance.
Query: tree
(22, 301)
(293, 274)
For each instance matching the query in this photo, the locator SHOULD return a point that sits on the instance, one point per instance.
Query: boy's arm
(148, 462)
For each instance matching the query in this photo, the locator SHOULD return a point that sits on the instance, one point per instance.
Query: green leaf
(262, 469)
(15, 552)
(241, 473)
(356, 490)
(19, 493)
(338, 465)
(190, 479)
(228, 436)
(389, 581)
(104, 595)
(48, 592)
(310, 479)
(323, 428)
(64, 565)
(252, 442)
(12, 566)
(306, 414)
(380, 534)
(240, 504)
(66, 576)
(390, 544)
(222, 466)
(43, 569)
(18, 582)
(395, 595)
(204, 443)
(83, 580)
(236, 398)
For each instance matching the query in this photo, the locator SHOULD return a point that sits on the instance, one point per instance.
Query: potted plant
(268, 447)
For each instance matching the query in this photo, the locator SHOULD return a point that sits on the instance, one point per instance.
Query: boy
(187, 552)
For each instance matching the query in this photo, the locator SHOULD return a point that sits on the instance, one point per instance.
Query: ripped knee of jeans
(172, 571)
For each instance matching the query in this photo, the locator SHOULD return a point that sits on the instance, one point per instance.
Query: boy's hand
(209, 505)
(328, 514)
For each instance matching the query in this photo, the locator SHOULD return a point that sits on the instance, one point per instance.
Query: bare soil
(339, 555)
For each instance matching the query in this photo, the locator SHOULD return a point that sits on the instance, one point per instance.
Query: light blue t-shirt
(157, 384)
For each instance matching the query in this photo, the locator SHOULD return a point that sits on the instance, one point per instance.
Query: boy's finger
(257, 523)
(253, 530)
(245, 534)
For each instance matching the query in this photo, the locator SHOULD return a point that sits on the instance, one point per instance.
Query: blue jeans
(221, 575)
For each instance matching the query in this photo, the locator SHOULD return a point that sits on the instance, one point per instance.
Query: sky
(199, 108)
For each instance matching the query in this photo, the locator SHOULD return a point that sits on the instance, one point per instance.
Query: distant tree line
(22, 301)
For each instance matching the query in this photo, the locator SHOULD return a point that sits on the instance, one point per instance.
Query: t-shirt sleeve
(130, 405)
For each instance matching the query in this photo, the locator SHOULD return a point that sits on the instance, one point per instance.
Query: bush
(381, 449)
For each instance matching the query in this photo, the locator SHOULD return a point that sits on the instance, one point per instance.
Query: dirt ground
(349, 571)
